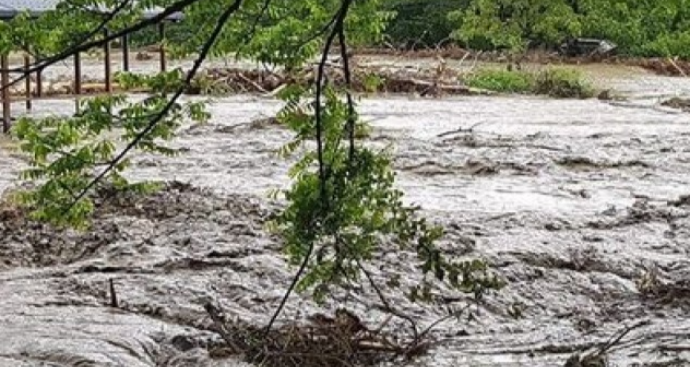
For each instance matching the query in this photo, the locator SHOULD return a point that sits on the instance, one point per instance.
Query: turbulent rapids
(581, 205)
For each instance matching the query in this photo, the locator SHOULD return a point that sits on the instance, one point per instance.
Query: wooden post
(27, 82)
(39, 83)
(77, 80)
(6, 102)
(108, 60)
(161, 31)
(125, 52)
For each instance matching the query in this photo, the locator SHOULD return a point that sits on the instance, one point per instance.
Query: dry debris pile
(341, 340)
(659, 65)
(371, 79)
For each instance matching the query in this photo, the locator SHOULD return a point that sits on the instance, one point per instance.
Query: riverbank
(424, 72)
(372, 74)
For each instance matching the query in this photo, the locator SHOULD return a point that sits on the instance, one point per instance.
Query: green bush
(639, 28)
(500, 80)
(562, 83)
(558, 83)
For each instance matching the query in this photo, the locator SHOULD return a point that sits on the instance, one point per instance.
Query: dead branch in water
(673, 63)
(338, 340)
(597, 357)
(113, 294)
(462, 130)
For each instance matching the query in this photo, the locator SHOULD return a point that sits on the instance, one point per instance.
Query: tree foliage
(356, 210)
(67, 152)
(646, 28)
(512, 24)
(421, 23)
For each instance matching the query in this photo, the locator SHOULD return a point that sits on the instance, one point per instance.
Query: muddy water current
(579, 205)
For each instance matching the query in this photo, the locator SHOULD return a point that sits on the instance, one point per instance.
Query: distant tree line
(638, 27)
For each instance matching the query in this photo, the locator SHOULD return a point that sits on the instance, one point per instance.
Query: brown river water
(574, 202)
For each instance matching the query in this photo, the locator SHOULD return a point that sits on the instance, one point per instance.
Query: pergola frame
(36, 8)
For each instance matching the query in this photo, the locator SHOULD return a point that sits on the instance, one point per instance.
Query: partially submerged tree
(342, 207)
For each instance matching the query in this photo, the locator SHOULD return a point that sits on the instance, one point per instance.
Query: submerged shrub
(562, 83)
(559, 83)
(500, 80)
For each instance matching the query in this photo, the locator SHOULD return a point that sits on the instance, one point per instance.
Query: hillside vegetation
(639, 27)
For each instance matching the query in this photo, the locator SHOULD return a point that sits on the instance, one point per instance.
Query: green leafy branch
(66, 153)
(343, 207)
(63, 198)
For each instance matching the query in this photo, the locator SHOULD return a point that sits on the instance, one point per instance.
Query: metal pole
(163, 61)
(27, 82)
(6, 103)
(39, 83)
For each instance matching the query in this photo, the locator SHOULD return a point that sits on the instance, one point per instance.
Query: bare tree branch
(348, 92)
(387, 306)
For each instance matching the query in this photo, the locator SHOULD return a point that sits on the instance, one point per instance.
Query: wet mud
(582, 206)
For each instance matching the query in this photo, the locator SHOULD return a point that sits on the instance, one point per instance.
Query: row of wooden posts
(6, 97)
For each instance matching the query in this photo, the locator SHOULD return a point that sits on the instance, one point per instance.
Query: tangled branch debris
(341, 340)
(663, 292)
(369, 79)
(598, 356)
(364, 79)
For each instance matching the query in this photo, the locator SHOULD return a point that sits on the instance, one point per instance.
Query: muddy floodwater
(581, 205)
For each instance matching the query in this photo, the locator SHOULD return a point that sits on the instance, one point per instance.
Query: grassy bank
(554, 82)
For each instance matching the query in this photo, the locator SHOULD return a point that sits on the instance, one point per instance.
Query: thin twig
(320, 32)
(219, 322)
(460, 130)
(342, 13)
(387, 304)
(348, 87)
(678, 68)
(431, 326)
(614, 340)
(106, 18)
